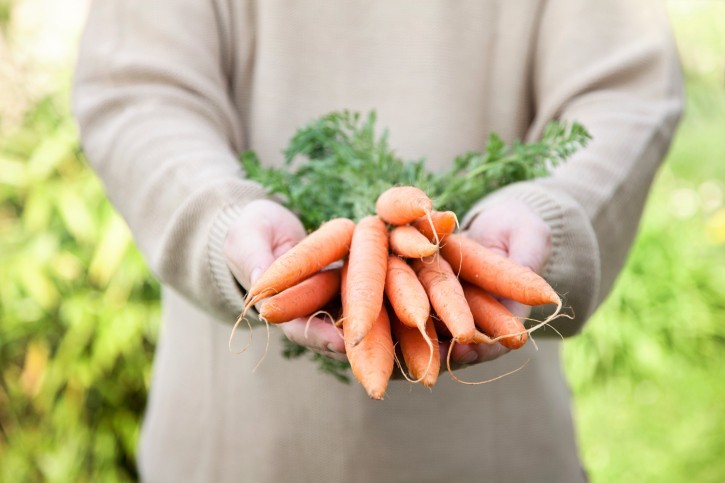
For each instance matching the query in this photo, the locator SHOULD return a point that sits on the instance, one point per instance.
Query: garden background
(79, 312)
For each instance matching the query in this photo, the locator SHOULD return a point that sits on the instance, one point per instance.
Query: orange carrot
(495, 273)
(405, 293)
(408, 242)
(493, 318)
(303, 299)
(365, 284)
(446, 296)
(410, 304)
(327, 244)
(416, 350)
(401, 205)
(372, 360)
(444, 223)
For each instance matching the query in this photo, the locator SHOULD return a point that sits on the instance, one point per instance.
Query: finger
(492, 230)
(264, 231)
(517, 309)
(530, 245)
(485, 352)
(321, 335)
(514, 230)
(283, 248)
(333, 355)
(468, 354)
(248, 253)
(494, 236)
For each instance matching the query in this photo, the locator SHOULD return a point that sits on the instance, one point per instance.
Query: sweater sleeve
(157, 125)
(611, 66)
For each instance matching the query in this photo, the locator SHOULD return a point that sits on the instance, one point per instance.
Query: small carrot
(444, 223)
(410, 304)
(303, 299)
(493, 318)
(401, 205)
(405, 293)
(416, 350)
(446, 296)
(365, 284)
(408, 242)
(495, 273)
(329, 243)
(372, 360)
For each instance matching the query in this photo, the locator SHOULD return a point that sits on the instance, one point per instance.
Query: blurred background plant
(79, 311)
(647, 370)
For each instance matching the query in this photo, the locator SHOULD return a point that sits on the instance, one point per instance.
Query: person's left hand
(514, 230)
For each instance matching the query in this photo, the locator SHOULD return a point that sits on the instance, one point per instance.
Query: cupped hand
(263, 232)
(514, 230)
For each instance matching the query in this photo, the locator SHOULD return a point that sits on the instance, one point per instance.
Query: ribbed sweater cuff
(231, 292)
(574, 267)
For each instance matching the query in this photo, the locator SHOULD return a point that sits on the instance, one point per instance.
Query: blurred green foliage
(79, 311)
(646, 371)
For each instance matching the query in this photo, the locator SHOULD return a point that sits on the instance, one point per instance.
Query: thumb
(265, 260)
(249, 256)
(263, 232)
(531, 246)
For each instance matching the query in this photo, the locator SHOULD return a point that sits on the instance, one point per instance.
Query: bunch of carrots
(403, 269)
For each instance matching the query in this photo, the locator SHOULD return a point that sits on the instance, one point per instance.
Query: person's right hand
(262, 233)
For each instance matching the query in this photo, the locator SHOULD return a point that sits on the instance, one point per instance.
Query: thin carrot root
(266, 349)
(430, 375)
(400, 367)
(481, 338)
(476, 383)
(539, 324)
(234, 330)
(324, 312)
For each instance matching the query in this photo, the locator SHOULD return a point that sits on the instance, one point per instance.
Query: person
(169, 92)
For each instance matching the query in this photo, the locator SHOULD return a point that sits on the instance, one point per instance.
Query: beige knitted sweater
(168, 92)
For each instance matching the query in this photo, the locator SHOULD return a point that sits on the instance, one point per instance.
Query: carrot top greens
(338, 165)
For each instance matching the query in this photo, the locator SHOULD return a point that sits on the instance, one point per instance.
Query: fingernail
(468, 358)
(333, 348)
